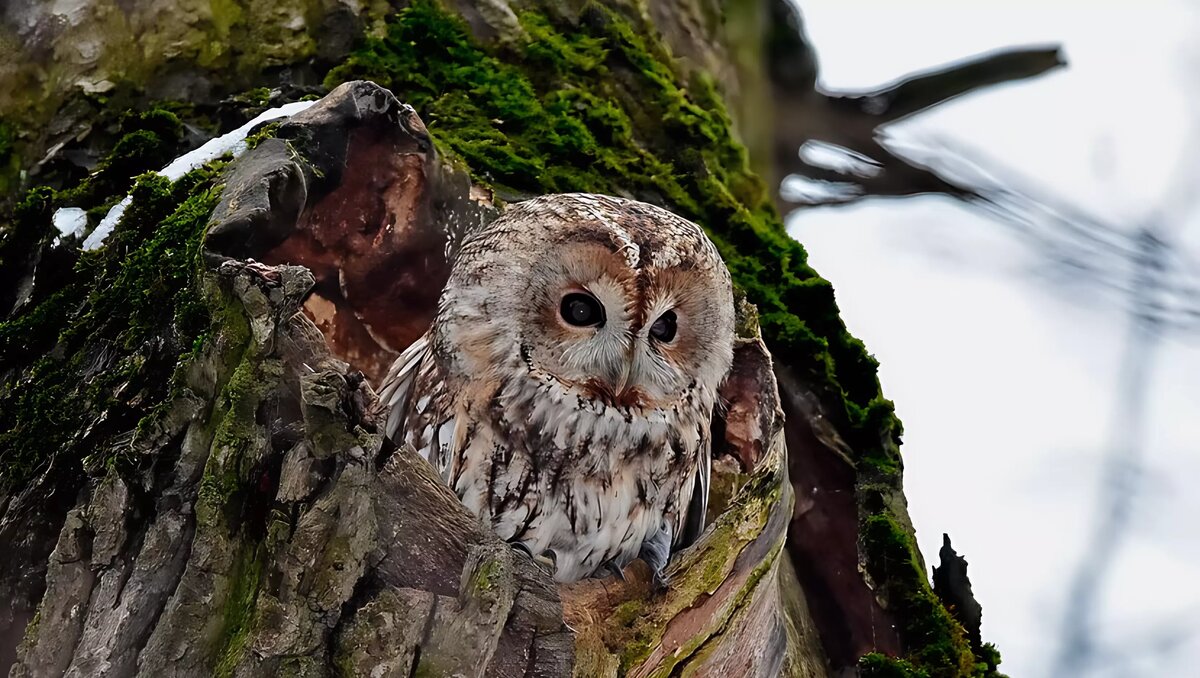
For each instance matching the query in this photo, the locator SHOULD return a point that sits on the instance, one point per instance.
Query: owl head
(622, 302)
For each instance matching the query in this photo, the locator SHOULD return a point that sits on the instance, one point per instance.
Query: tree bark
(228, 504)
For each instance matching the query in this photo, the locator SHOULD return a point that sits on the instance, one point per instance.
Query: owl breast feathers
(565, 390)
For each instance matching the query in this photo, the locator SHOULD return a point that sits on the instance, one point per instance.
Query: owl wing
(418, 405)
(697, 509)
(397, 387)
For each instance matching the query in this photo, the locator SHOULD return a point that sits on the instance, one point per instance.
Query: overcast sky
(1005, 380)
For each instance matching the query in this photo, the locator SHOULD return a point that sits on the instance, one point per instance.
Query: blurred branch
(1156, 280)
(1149, 319)
(851, 120)
(922, 91)
(1123, 464)
(1077, 245)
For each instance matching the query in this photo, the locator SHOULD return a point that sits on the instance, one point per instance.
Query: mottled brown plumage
(566, 388)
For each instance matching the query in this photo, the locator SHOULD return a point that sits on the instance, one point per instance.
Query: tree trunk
(194, 476)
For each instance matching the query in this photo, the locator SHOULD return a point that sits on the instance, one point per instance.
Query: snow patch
(234, 143)
(70, 221)
(107, 224)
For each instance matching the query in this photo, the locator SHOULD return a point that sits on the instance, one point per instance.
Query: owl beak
(626, 393)
(623, 380)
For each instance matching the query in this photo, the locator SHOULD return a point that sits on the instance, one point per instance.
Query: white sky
(1004, 382)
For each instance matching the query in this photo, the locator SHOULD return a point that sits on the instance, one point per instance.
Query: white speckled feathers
(566, 388)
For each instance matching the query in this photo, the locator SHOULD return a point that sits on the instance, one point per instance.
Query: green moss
(95, 358)
(988, 663)
(876, 665)
(746, 321)
(234, 436)
(426, 669)
(266, 132)
(236, 446)
(258, 96)
(158, 120)
(226, 14)
(28, 230)
(628, 611)
(29, 638)
(237, 621)
(699, 645)
(934, 641)
(875, 438)
(128, 133)
(488, 575)
(147, 142)
(637, 624)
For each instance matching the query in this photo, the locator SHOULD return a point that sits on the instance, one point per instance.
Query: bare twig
(922, 91)
(851, 120)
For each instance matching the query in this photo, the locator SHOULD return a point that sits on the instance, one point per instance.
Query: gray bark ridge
(275, 546)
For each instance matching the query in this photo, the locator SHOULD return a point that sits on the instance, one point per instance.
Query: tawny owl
(566, 388)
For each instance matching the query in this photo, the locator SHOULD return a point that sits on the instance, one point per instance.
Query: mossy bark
(188, 463)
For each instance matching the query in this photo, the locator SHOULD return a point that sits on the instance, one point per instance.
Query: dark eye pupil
(663, 329)
(582, 310)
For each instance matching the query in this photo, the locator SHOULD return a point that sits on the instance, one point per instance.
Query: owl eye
(582, 310)
(663, 329)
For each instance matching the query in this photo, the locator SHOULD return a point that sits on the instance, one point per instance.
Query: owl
(566, 387)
